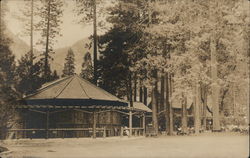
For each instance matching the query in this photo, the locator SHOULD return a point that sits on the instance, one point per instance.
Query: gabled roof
(177, 104)
(72, 88)
(141, 106)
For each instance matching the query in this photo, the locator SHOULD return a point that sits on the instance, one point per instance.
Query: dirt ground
(210, 145)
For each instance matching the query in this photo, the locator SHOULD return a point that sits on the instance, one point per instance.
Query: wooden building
(177, 106)
(73, 107)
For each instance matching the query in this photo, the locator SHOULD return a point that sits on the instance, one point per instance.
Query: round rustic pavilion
(73, 107)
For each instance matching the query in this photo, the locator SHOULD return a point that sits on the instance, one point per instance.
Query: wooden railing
(54, 132)
(137, 131)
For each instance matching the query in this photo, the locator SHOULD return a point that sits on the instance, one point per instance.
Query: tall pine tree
(50, 13)
(8, 94)
(120, 49)
(87, 9)
(69, 65)
(28, 74)
(87, 67)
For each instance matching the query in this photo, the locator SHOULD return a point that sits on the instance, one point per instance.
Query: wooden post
(31, 136)
(144, 124)
(121, 132)
(94, 124)
(111, 123)
(130, 122)
(25, 124)
(104, 132)
(47, 124)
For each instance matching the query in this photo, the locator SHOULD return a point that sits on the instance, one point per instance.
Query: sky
(71, 30)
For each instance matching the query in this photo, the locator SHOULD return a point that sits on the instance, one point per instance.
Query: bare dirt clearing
(203, 146)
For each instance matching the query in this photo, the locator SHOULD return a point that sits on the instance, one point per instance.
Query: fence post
(121, 132)
(130, 122)
(104, 132)
(144, 124)
(94, 124)
(47, 125)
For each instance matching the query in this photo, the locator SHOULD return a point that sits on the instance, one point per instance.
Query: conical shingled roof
(72, 90)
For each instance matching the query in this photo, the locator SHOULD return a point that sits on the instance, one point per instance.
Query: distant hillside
(79, 51)
(19, 48)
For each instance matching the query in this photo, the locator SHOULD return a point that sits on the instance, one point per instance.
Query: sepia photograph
(124, 78)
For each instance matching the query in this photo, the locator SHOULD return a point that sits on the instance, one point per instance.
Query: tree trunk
(1, 27)
(166, 104)
(234, 103)
(145, 96)
(130, 91)
(149, 13)
(247, 48)
(204, 107)
(95, 41)
(128, 88)
(141, 93)
(154, 104)
(171, 115)
(154, 111)
(135, 88)
(184, 114)
(31, 30)
(162, 103)
(214, 86)
(194, 105)
(197, 121)
(46, 62)
(131, 105)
